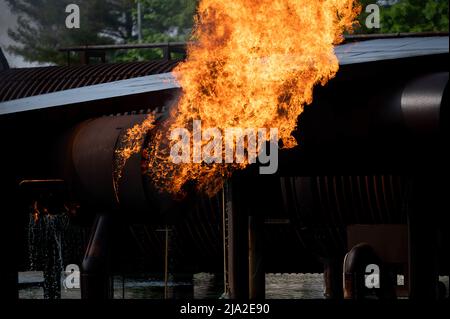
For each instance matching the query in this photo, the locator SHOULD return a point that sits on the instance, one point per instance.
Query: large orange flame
(252, 64)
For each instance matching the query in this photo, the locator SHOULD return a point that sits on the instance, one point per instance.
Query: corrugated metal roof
(20, 83)
(146, 84)
(390, 49)
(350, 53)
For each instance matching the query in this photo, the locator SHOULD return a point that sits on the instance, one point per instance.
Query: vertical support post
(11, 236)
(95, 278)
(68, 57)
(422, 236)
(333, 279)
(84, 57)
(11, 246)
(166, 264)
(257, 280)
(237, 245)
(225, 242)
(166, 52)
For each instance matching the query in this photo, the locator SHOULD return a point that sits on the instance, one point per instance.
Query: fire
(131, 143)
(35, 211)
(251, 64)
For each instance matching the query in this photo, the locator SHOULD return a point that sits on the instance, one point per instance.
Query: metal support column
(257, 280)
(422, 233)
(333, 279)
(238, 263)
(96, 281)
(10, 247)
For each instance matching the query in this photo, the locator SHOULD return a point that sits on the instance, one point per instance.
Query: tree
(163, 21)
(41, 24)
(408, 16)
(168, 19)
(415, 16)
(42, 31)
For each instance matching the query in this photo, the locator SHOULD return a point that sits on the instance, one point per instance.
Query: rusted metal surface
(151, 84)
(93, 152)
(320, 207)
(390, 243)
(21, 83)
(354, 268)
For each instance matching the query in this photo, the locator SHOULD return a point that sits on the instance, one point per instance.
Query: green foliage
(416, 16)
(409, 16)
(41, 26)
(170, 19)
(162, 21)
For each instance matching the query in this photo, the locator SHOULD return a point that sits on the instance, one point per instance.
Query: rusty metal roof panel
(146, 84)
(26, 82)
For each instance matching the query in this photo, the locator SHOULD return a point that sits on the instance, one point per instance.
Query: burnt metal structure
(371, 152)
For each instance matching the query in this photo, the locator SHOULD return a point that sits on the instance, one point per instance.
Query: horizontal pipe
(348, 38)
(124, 46)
